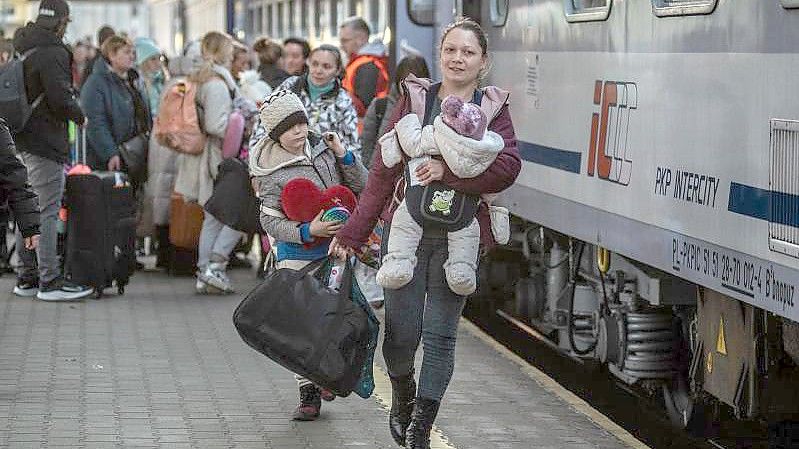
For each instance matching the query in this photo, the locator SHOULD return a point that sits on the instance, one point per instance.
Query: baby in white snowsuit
(459, 135)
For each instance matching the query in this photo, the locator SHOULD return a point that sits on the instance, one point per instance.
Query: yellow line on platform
(557, 389)
(382, 394)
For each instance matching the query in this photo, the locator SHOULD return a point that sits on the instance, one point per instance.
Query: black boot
(403, 390)
(424, 414)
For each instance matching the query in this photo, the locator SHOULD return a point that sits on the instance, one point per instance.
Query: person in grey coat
(196, 173)
(286, 151)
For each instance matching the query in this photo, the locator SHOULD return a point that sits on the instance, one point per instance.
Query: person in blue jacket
(115, 104)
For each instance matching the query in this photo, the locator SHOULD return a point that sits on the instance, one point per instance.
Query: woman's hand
(324, 229)
(32, 242)
(432, 170)
(334, 142)
(338, 250)
(114, 164)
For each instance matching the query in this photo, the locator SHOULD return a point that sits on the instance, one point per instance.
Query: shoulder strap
(23, 56)
(430, 98)
(380, 108)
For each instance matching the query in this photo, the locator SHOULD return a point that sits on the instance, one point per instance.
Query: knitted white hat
(282, 110)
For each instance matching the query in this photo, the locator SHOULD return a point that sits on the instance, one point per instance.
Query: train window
(268, 22)
(318, 14)
(670, 8)
(334, 5)
(421, 11)
(304, 18)
(499, 12)
(291, 30)
(790, 3)
(374, 14)
(280, 10)
(587, 10)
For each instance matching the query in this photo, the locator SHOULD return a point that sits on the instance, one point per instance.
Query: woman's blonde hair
(217, 48)
(113, 44)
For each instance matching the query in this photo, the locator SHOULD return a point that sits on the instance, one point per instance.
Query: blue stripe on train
(551, 157)
(763, 204)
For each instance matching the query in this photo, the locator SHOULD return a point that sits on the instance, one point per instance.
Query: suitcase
(101, 227)
(185, 222)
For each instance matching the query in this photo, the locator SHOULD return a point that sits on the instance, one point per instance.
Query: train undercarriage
(704, 355)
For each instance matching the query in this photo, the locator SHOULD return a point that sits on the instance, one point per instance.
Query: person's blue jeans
(427, 310)
(47, 179)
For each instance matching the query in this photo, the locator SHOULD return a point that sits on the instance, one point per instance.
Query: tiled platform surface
(163, 367)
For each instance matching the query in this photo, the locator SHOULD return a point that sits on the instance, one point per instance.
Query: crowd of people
(269, 114)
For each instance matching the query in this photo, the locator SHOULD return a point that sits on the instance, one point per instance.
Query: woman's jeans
(216, 241)
(425, 309)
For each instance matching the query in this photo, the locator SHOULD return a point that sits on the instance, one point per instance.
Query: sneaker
(200, 287)
(60, 289)
(215, 276)
(310, 404)
(26, 289)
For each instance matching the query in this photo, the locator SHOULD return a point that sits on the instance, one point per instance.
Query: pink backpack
(234, 135)
(177, 125)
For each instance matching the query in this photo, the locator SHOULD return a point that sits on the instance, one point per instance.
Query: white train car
(661, 138)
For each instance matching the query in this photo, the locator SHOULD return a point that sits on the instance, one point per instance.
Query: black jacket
(272, 75)
(14, 187)
(47, 70)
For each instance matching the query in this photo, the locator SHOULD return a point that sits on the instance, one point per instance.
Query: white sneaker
(215, 276)
(201, 287)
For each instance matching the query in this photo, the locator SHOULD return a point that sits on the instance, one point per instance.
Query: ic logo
(608, 154)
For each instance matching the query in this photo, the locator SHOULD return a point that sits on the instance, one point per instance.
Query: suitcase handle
(80, 144)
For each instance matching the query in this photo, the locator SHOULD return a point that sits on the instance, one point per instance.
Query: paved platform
(163, 367)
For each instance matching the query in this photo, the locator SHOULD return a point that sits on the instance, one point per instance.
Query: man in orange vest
(366, 76)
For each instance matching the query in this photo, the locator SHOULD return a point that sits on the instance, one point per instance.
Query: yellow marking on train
(555, 388)
(382, 395)
(721, 343)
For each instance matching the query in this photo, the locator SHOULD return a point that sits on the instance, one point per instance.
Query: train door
(470, 8)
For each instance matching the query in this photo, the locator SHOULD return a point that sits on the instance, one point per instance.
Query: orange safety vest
(382, 82)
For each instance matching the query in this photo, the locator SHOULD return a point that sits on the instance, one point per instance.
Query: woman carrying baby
(286, 152)
(426, 306)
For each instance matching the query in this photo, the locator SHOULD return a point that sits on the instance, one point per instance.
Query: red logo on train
(609, 156)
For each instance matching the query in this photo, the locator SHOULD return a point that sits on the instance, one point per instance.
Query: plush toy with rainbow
(302, 200)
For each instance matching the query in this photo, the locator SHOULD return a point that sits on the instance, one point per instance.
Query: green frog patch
(442, 201)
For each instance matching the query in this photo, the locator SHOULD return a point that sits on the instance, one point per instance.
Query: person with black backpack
(44, 146)
(376, 120)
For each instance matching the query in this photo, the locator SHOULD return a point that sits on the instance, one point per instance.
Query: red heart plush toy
(302, 199)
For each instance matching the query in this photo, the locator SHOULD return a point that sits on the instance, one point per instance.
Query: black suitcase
(101, 227)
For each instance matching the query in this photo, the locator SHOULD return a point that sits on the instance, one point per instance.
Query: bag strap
(334, 326)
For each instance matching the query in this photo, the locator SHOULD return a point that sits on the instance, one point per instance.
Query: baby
(458, 135)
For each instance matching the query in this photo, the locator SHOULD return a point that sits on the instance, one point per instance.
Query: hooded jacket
(273, 167)
(47, 70)
(378, 199)
(111, 110)
(14, 186)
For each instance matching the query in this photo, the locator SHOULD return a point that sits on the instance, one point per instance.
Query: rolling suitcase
(101, 226)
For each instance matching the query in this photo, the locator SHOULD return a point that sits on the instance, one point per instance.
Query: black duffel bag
(296, 320)
(233, 201)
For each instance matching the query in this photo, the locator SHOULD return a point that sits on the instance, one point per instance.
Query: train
(656, 216)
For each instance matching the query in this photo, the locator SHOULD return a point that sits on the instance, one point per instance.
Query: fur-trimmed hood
(493, 100)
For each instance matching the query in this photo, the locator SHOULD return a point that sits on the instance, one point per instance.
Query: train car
(656, 218)
(658, 204)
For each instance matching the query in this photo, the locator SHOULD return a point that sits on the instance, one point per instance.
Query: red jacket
(376, 201)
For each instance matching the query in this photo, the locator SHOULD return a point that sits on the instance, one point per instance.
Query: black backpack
(14, 105)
